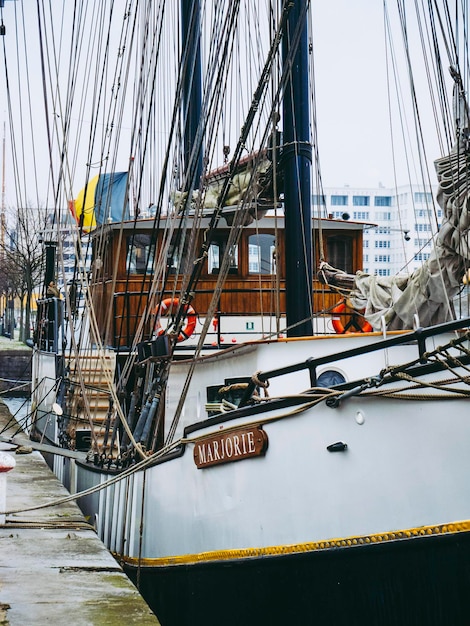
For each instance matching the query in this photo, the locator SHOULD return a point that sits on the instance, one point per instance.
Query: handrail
(419, 335)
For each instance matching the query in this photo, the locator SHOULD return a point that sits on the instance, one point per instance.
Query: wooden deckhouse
(254, 285)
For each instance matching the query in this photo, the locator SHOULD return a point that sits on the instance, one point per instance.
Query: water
(20, 409)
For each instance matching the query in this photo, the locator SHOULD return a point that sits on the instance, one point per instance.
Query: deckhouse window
(180, 258)
(261, 254)
(339, 251)
(217, 250)
(140, 254)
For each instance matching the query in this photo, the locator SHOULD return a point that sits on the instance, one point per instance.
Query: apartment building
(405, 221)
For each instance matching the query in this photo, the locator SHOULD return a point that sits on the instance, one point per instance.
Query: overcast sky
(352, 101)
(352, 96)
(351, 92)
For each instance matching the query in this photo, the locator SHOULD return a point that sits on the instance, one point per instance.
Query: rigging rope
(235, 233)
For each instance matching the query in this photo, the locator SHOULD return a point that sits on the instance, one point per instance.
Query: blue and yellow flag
(101, 201)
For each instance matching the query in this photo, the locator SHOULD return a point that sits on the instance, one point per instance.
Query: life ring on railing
(341, 329)
(167, 306)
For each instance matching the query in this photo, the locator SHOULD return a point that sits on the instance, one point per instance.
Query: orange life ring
(167, 306)
(365, 327)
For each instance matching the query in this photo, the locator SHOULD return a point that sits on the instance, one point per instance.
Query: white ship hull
(401, 477)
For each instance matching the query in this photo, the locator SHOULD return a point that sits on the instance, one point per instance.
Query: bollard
(7, 463)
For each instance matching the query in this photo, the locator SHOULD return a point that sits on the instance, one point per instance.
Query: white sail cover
(250, 184)
(427, 292)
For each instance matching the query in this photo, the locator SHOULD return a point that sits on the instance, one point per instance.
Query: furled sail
(428, 291)
(103, 199)
(253, 178)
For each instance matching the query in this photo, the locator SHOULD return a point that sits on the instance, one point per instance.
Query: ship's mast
(297, 157)
(192, 90)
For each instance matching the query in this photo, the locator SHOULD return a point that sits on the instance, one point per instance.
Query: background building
(406, 219)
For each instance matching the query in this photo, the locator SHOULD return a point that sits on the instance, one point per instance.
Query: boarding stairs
(89, 404)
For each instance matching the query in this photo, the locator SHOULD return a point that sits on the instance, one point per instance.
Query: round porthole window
(329, 378)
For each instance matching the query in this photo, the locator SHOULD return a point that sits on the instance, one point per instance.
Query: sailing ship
(243, 461)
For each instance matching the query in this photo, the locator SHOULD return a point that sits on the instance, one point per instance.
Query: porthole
(330, 378)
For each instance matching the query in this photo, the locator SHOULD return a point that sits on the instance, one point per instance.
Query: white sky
(351, 93)
(353, 116)
(352, 100)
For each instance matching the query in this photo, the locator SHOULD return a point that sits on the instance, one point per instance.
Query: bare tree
(9, 283)
(21, 256)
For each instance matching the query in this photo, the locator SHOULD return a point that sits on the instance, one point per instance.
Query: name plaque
(233, 445)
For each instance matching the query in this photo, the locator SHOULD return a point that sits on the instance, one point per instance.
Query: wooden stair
(88, 427)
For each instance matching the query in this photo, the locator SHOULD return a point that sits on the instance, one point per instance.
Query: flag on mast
(102, 200)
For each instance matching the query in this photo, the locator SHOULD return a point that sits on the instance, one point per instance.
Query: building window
(383, 215)
(361, 200)
(383, 201)
(339, 200)
(382, 258)
(319, 200)
(422, 256)
(261, 254)
(423, 197)
(383, 230)
(381, 243)
(423, 227)
(361, 215)
(365, 243)
(421, 213)
(383, 272)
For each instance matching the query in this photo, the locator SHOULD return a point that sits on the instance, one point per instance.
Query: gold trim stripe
(247, 553)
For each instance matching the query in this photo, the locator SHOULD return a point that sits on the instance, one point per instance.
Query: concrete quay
(53, 567)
